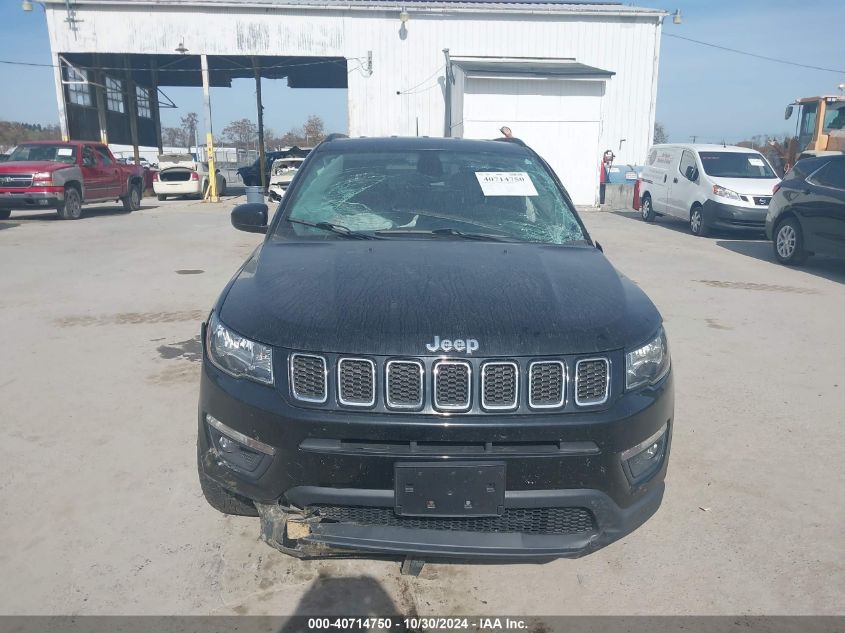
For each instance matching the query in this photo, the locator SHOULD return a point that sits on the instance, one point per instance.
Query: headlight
(725, 193)
(647, 364)
(42, 178)
(237, 355)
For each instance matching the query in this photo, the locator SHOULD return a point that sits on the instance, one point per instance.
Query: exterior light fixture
(181, 48)
(404, 16)
(26, 5)
(676, 17)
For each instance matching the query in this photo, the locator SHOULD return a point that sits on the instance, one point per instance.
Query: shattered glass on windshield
(431, 190)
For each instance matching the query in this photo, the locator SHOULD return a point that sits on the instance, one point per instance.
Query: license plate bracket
(453, 489)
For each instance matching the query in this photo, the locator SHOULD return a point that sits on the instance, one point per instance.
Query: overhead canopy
(528, 67)
(184, 70)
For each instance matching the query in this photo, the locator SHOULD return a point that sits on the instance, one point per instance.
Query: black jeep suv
(429, 357)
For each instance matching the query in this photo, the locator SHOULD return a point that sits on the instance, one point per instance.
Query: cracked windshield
(431, 192)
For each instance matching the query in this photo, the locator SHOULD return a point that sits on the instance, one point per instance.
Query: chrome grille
(15, 181)
(404, 384)
(499, 385)
(449, 385)
(547, 388)
(356, 382)
(591, 381)
(308, 378)
(452, 390)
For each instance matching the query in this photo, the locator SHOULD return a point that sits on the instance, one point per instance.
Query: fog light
(238, 451)
(226, 444)
(231, 434)
(646, 456)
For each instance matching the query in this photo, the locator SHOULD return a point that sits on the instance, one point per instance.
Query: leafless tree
(660, 135)
(173, 136)
(242, 133)
(189, 127)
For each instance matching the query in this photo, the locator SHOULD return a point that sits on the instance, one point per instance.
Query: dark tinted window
(831, 175)
(687, 164)
(735, 165)
(104, 156)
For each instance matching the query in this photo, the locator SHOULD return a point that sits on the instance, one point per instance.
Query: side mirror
(788, 112)
(692, 173)
(250, 217)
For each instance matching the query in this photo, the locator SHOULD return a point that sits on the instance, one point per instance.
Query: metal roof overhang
(184, 70)
(545, 7)
(528, 68)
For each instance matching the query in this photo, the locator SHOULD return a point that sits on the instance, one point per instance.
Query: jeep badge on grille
(459, 345)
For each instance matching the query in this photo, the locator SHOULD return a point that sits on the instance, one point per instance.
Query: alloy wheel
(695, 221)
(786, 241)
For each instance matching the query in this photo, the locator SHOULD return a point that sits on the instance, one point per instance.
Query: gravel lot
(101, 508)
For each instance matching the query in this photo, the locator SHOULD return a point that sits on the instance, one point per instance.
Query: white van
(709, 186)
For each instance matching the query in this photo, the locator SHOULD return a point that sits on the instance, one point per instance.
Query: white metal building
(571, 79)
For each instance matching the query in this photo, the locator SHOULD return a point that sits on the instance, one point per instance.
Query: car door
(656, 174)
(112, 178)
(822, 208)
(92, 173)
(683, 185)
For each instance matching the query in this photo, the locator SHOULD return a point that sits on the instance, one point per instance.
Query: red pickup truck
(64, 176)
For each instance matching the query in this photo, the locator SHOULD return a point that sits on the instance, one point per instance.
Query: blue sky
(712, 94)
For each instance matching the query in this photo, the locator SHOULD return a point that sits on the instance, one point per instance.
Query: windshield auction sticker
(505, 183)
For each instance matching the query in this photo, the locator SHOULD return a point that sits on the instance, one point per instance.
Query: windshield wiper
(337, 229)
(485, 237)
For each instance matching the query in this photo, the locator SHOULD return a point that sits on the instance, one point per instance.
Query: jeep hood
(393, 297)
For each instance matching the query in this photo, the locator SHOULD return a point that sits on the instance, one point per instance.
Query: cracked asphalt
(102, 512)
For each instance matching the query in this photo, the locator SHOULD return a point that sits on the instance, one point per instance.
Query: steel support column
(211, 195)
(131, 102)
(58, 77)
(261, 156)
(154, 109)
(99, 82)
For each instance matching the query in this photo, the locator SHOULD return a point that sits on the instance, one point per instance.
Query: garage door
(559, 118)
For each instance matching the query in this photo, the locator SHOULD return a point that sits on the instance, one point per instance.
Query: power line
(770, 59)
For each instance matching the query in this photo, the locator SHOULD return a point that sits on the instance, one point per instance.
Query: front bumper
(42, 198)
(719, 215)
(311, 470)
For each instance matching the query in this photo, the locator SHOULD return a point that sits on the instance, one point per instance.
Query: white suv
(710, 186)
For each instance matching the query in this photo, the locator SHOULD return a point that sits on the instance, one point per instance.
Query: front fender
(69, 174)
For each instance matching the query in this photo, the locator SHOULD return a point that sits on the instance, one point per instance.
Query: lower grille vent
(522, 520)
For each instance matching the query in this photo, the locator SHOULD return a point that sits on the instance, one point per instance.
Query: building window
(77, 87)
(143, 102)
(114, 95)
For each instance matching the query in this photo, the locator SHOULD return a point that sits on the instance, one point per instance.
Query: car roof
(413, 143)
(704, 147)
(58, 142)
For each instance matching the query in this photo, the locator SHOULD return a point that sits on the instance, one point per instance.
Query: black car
(429, 357)
(251, 174)
(807, 212)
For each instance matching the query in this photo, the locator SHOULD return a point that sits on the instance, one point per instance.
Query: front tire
(696, 222)
(647, 209)
(132, 200)
(221, 499)
(788, 243)
(5, 214)
(161, 198)
(71, 208)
